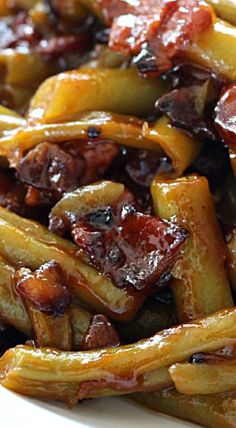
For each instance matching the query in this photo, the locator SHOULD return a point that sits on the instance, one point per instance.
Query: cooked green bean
(210, 411)
(85, 199)
(12, 310)
(29, 370)
(225, 9)
(200, 284)
(114, 90)
(197, 379)
(215, 49)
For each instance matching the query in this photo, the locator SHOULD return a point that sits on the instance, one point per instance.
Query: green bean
(198, 379)
(210, 411)
(225, 9)
(12, 310)
(200, 284)
(31, 371)
(116, 90)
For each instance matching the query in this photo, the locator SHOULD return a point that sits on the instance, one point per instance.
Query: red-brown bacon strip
(101, 334)
(226, 116)
(138, 252)
(165, 26)
(133, 249)
(54, 170)
(20, 31)
(45, 288)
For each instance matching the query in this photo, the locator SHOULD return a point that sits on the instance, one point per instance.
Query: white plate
(21, 412)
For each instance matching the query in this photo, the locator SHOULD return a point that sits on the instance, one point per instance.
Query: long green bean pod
(200, 283)
(225, 9)
(180, 147)
(210, 411)
(12, 310)
(213, 378)
(31, 371)
(115, 90)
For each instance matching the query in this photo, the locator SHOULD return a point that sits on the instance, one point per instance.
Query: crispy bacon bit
(166, 26)
(189, 74)
(101, 334)
(60, 45)
(138, 252)
(35, 197)
(187, 108)
(48, 167)
(54, 170)
(189, 20)
(113, 8)
(12, 193)
(226, 116)
(189, 104)
(143, 165)
(46, 288)
(184, 106)
(16, 197)
(131, 30)
(132, 249)
(98, 157)
(18, 31)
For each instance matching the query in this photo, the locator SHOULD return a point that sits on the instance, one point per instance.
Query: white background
(21, 412)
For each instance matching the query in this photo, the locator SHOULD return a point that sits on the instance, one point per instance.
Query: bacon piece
(134, 250)
(113, 8)
(15, 197)
(188, 107)
(139, 252)
(18, 31)
(47, 167)
(98, 157)
(59, 45)
(130, 31)
(46, 288)
(101, 334)
(184, 106)
(55, 170)
(189, 20)
(12, 193)
(226, 116)
(165, 25)
(189, 104)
